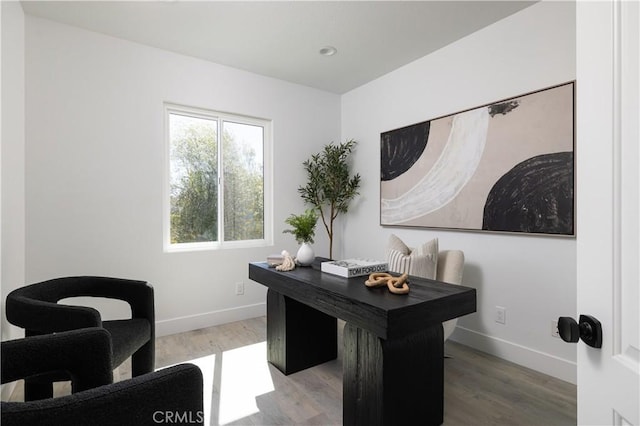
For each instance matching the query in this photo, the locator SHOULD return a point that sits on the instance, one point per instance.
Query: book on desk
(349, 268)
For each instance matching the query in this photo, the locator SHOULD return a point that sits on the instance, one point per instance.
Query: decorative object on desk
(305, 255)
(396, 285)
(304, 229)
(353, 267)
(288, 264)
(506, 166)
(275, 260)
(329, 187)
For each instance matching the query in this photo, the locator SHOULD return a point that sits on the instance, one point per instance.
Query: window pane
(242, 155)
(193, 179)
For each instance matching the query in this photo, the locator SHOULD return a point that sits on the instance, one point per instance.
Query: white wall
(13, 147)
(12, 231)
(94, 165)
(534, 277)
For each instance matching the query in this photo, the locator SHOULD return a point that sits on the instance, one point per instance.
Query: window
(218, 192)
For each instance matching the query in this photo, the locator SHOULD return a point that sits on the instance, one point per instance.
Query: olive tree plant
(330, 187)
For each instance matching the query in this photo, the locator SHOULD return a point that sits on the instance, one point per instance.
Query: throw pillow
(397, 244)
(420, 262)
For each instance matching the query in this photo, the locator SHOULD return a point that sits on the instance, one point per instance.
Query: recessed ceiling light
(328, 51)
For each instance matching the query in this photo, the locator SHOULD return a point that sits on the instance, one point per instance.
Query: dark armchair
(36, 309)
(171, 395)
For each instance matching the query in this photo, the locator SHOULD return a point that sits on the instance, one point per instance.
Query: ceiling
(283, 39)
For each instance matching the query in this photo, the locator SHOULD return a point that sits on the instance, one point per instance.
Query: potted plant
(329, 186)
(303, 229)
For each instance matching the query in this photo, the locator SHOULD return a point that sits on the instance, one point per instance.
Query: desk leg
(399, 382)
(298, 336)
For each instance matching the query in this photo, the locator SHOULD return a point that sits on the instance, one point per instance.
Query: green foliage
(330, 188)
(194, 188)
(304, 226)
(243, 193)
(194, 193)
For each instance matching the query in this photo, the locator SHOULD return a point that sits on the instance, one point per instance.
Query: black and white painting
(507, 166)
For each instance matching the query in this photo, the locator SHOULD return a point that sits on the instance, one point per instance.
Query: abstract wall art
(506, 166)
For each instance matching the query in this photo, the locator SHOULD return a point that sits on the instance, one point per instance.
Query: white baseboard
(209, 319)
(543, 362)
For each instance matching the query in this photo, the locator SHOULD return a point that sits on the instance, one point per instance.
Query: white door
(607, 194)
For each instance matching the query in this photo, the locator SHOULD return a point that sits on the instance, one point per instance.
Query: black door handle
(588, 329)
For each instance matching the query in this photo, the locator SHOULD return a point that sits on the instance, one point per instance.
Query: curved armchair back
(450, 270)
(35, 308)
(450, 266)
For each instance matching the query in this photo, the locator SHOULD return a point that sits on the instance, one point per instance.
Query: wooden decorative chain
(396, 285)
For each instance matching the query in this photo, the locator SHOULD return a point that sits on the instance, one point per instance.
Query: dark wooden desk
(393, 344)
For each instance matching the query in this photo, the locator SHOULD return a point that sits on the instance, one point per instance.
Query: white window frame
(266, 124)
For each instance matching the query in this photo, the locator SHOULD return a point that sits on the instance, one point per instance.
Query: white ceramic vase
(305, 255)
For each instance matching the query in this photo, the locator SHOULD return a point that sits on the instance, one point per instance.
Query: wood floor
(241, 388)
(479, 389)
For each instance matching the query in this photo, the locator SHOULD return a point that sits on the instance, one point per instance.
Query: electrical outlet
(554, 329)
(239, 288)
(501, 315)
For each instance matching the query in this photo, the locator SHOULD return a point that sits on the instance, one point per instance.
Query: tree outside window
(216, 191)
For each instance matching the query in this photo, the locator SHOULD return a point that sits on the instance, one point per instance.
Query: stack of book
(354, 267)
(275, 260)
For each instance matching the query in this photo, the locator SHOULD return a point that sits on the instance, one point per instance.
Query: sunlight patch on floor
(245, 375)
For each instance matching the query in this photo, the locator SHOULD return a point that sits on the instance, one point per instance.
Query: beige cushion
(450, 268)
(420, 262)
